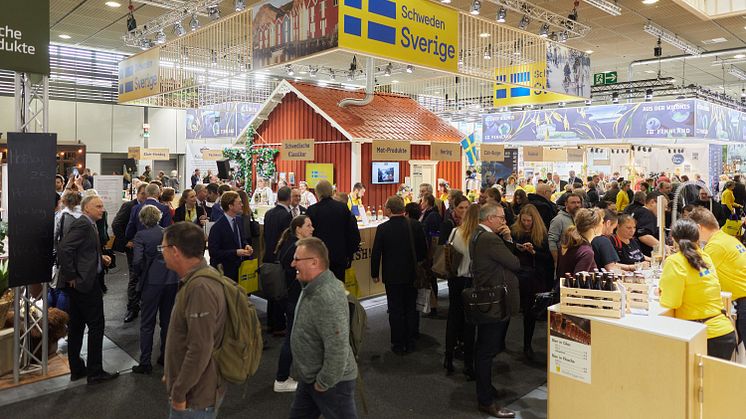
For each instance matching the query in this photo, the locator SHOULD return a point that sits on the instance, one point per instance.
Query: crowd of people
(524, 244)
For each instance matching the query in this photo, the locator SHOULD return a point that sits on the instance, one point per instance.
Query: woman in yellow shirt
(690, 286)
(622, 197)
(728, 199)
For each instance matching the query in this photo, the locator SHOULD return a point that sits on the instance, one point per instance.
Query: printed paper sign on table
(413, 31)
(570, 346)
(298, 150)
(391, 151)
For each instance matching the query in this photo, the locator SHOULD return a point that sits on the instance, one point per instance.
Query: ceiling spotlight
(351, 75)
(563, 36)
(213, 58)
(573, 15)
(553, 36)
(615, 97)
(112, 4)
(313, 71)
(213, 12)
(179, 29)
(476, 6)
(544, 31)
(649, 1)
(501, 14)
(240, 5)
(194, 22)
(387, 71)
(410, 69)
(131, 22)
(743, 92)
(648, 95)
(523, 24)
(487, 53)
(146, 44)
(658, 49)
(332, 76)
(160, 37)
(445, 1)
(289, 70)
(588, 102)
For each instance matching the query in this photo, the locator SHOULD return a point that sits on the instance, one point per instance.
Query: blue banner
(219, 121)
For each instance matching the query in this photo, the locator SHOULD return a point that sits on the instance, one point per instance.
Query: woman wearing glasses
(300, 228)
(157, 284)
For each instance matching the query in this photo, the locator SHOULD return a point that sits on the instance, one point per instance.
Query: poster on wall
(316, 172)
(568, 71)
(285, 30)
(195, 157)
(109, 188)
(226, 120)
(570, 346)
(491, 171)
(720, 123)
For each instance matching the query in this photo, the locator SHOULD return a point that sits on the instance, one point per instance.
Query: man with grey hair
(81, 261)
(493, 265)
(322, 357)
(152, 192)
(334, 224)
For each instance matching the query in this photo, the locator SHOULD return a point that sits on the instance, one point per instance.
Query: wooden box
(592, 302)
(638, 295)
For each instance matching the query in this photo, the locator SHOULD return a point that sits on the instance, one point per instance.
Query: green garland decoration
(265, 160)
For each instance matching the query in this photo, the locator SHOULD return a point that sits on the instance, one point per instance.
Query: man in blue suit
(152, 192)
(228, 242)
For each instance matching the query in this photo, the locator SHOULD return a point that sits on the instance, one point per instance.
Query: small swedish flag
(470, 149)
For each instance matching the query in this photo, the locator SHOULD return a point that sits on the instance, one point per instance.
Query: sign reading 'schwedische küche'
(24, 36)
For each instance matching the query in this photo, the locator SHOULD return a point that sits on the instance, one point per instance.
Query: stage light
(313, 71)
(387, 71)
(544, 31)
(213, 12)
(289, 70)
(410, 69)
(476, 6)
(240, 5)
(160, 37)
(523, 24)
(648, 95)
(179, 29)
(194, 22)
(615, 97)
(501, 15)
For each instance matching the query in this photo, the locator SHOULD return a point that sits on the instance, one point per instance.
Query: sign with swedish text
(445, 151)
(212, 155)
(391, 151)
(492, 152)
(419, 32)
(138, 76)
(24, 36)
(297, 150)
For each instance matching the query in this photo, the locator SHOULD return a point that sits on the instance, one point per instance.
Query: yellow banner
(492, 152)
(391, 151)
(316, 172)
(212, 155)
(298, 150)
(138, 76)
(414, 31)
(445, 151)
(533, 153)
(524, 84)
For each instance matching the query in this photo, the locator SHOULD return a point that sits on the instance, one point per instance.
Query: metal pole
(17, 334)
(45, 327)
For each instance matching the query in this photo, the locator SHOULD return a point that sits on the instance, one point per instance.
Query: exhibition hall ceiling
(615, 40)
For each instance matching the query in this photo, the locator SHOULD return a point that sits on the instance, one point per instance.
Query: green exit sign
(607, 77)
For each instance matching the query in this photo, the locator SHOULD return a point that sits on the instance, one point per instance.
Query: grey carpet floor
(411, 386)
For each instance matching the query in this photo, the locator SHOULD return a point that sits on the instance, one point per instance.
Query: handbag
(446, 259)
(733, 225)
(423, 300)
(542, 301)
(272, 279)
(351, 284)
(484, 304)
(421, 280)
(248, 278)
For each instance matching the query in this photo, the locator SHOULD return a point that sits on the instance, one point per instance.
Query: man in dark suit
(121, 244)
(493, 264)
(227, 242)
(81, 261)
(572, 179)
(334, 224)
(217, 210)
(296, 208)
(276, 221)
(201, 191)
(393, 243)
(195, 178)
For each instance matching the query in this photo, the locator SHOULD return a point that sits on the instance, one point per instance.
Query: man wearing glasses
(322, 357)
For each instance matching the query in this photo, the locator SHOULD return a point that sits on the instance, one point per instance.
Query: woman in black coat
(188, 209)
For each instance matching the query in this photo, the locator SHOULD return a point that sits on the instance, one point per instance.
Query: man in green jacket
(323, 362)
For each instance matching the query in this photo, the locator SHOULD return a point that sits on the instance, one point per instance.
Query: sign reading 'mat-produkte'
(24, 36)
(413, 31)
(298, 150)
(445, 151)
(391, 150)
(138, 76)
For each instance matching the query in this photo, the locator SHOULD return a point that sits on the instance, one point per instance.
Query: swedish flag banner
(470, 149)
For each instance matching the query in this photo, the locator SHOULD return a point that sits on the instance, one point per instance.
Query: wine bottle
(379, 214)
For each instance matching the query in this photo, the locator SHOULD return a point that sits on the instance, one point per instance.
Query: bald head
(544, 190)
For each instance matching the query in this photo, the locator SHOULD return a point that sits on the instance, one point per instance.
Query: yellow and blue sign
(316, 172)
(139, 76)
(414, 31)
(524, 85)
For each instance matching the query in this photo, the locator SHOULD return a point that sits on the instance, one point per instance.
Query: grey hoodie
(557, 228)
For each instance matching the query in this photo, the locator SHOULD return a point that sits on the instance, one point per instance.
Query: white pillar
(356, 174)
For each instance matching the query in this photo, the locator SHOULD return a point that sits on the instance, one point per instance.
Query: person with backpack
(323, 359)
(157, 286)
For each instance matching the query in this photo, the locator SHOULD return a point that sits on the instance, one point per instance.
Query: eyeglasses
(300, 259)
(498, 216)
(161, 247)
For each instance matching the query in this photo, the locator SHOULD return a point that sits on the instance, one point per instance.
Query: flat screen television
(385, 172)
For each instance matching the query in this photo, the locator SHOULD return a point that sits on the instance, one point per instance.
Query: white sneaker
(287, 386)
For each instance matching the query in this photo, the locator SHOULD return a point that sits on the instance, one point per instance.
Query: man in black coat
(276, 221)
(296, 208)
(121, 244)
(393, 244)
(81, 261)
(195, 178)
(334, 224)
(542, 200)
(739, 192)
(227, 242)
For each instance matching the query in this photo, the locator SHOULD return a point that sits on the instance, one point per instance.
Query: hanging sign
(24, 36)
(138, 76)
(297, 150)
(411, 31)
(492, 152)
(533, 153)
(575, 155)
(391, 151)
(140, 153)
(445, 151)
(212, 155)
(133, 153)
(554, 155)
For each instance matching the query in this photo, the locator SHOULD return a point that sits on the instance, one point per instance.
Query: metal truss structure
(141, 37)
(573, 28)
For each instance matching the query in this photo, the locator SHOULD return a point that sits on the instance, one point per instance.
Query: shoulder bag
(272, 280)
(484, 304)
(421, 280)
(446, 259)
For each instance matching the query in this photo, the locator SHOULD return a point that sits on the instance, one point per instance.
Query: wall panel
(94, 126)
(162, 128)
(62, 119)
(127, 127)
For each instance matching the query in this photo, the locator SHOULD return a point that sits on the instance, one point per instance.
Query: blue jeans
(209, 413)
(490, 342)
(337, 402)
(58, 299)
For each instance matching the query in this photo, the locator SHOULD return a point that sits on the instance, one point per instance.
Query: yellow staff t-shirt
(729, 258)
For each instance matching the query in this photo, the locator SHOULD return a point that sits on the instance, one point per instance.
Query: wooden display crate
(638, 295)
(592, 302)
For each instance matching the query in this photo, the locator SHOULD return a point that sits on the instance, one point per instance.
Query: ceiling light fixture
(410, 69)
(589, 51)
(501, 14)
(544, 31)
(64, 36)
(739, 56)
(607, 6)
(445, 1)
(160, 37)
(313, 71)
(112, 4)
(387, 71)
(649, 1)
(563, 36)
(194, 22)
(523, 24)
(476, 6)
(737, 72)
(484, 35)
(179, 29)
(487, 54)
(240, 5)
(648, 95)
(615, 97)
(289, 70)
(672, 39)
(213, 12)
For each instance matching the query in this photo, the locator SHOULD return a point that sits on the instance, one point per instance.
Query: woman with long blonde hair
(536, 274)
